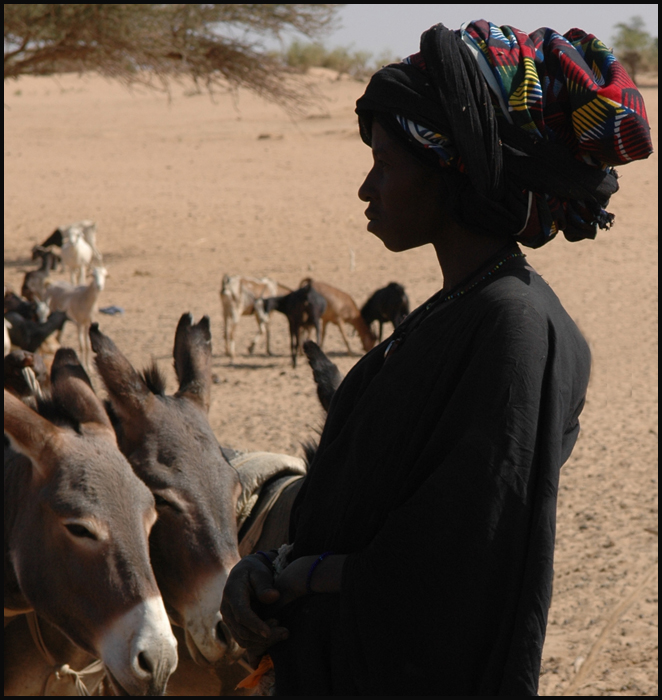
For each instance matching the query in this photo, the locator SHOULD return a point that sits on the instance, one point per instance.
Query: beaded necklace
(455, 293)
(460, 291)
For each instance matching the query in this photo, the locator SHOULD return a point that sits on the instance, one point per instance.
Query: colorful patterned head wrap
(534, 122)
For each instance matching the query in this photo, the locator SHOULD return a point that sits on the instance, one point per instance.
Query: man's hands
(250, 585)
(291, 583)
(251, 594)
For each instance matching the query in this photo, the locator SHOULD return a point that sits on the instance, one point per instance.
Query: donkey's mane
(154, 379)
(309, 452)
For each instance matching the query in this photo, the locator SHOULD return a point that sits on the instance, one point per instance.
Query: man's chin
(395, 246)
(374, 227)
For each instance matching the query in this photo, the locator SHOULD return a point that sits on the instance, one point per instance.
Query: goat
(34, 282)
(29, 335)
(78, 246)
(32, 310)
(89, 229)
(340, 308)
(78, 255)
(303, 307)
(387, 304)
(238, 295)
(80, 304)
(40, 252)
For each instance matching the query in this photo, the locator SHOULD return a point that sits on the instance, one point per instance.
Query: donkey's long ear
(325, 373)
(31, 435)
(72, 389)
(192, 353)
(129, 394)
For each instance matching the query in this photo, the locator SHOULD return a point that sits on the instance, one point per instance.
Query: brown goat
(341, 308)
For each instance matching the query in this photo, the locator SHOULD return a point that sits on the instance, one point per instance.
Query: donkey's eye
(162, 502)
(78, 530)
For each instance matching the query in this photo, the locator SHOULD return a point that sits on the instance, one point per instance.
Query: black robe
(437, 473)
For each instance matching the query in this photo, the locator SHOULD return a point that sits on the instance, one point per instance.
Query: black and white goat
(303, 307)
(29, 335)
(31, 310)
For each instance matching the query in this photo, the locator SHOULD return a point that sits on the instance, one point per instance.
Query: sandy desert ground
(187, 190)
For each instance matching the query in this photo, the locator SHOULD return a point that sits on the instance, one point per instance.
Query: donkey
(171, 446)
(204, 495)
(77, 521)
(325, 373)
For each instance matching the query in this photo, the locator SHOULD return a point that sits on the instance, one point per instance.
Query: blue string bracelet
(313, 566)
(267, 559)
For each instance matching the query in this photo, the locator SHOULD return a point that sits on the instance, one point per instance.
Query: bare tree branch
(219, 46)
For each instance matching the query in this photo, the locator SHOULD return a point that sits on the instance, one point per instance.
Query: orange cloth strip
(251, 681)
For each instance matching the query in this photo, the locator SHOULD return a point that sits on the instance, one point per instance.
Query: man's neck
(463, 255)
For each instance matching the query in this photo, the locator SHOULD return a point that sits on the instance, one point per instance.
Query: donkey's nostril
(145, 663)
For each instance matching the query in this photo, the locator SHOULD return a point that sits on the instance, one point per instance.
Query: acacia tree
(634, 46)
(218, 46)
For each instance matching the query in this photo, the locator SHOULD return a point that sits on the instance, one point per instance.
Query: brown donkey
(77, 521)
(170, 445)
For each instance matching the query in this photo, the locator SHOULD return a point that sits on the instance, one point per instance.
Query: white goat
(89, 229)
(77, 253)
(80, 241)
(80, 304)
(238, 295)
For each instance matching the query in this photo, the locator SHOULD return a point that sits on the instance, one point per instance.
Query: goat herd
(45, 305)
(125, 518)
(313, 306)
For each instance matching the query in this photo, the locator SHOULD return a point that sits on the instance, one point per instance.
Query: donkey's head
(77, 521)
(170, 444)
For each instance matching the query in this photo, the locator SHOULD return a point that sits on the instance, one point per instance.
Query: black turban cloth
(506, 179)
